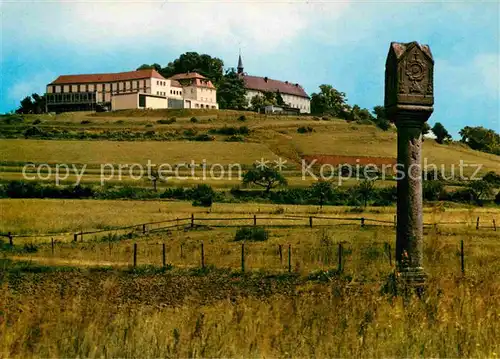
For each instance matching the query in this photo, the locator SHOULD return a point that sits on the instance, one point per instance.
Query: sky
(342, 43)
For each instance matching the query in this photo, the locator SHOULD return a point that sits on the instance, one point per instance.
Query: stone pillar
(409, 103)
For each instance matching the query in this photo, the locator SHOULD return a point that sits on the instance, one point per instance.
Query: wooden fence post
(462, 263)
(395, 221)
(310, 222)
(75, 237)
(192, 220)
(362, 221)
(494, 225)
(340, 266)
(289, 258)
(52, 245)
(254, 220)
(143, 229)
(280, 251)
(135, 255)
(243, 257)
(109, 245)
(390, 254)
(202, 256)
(11, 241)
(477, 223)
(182, 253)
(164, 255)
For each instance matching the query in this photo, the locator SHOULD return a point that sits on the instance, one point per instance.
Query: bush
(242, 118)
(304, 129)
(148, 125)
(37, 121)
(193, 120)
(203, 137)
(255, 234)
(34, 132)
(165, 121)
(235, 138)
(432, 190)
(84, 122)
(497, 198)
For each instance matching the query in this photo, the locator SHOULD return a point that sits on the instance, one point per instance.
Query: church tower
(240, 65)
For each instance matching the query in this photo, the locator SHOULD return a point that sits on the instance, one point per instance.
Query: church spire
(240, 64)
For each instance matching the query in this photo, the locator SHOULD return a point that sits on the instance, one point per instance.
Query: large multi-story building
(128, 90)
(293, 94)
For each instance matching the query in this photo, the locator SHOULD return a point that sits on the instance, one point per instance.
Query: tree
(321, 191)
(279, 99)
(257, 102)
(328, 101)
(381, 120)
(441, 133)
(365, 189)
(32, 104)
(154, 66)
(481, 139)
(361, 115)
(264, 177)
(203, 195)
(480, 190)
(206, 65)
(231, 93)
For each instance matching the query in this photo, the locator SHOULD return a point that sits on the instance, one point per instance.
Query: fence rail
(192, 222)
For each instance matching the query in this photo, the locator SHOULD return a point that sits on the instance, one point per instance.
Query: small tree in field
(480, 189)
(365, 189)
(441, 133)
(265, 177)
(321, 191)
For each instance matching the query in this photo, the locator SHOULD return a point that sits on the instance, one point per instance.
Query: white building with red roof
(129, 90)
(293, 94)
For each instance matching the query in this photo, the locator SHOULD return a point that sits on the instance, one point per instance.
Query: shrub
(193, 120)
(242, 118)
(325, 118)
(255, 234)
(34, 132)
(304, 129)
(497, 198)
(84, 122)
(190, 132)
(235, 138)
(37, 121)
(149, 125)
(432, 190)
(204, 137)
(165, 121)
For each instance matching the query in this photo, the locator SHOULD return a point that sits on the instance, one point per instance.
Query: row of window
(175, 92)
(71, 98)
(161, 83)
(115, 86)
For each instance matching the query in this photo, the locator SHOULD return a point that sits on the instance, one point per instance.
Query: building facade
(293, 94)
(128, 90)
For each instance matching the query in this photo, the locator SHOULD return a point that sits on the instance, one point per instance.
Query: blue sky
(339, 43)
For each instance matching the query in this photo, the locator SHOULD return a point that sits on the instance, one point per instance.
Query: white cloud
(478, 77)
(254, 24)
(26, 86)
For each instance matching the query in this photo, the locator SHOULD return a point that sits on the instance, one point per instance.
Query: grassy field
(63, 305)
(85, 299)
(50, 215)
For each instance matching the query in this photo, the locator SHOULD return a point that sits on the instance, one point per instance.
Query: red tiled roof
(175, 83)
(188, 75)
(111, 77)
(260, 84)
(193, 79)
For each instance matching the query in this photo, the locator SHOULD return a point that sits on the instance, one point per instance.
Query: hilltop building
(129, 90)
(293, 94)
